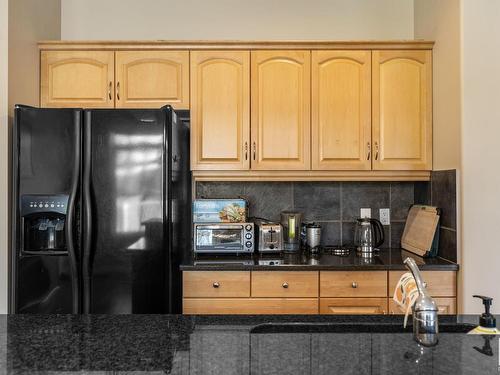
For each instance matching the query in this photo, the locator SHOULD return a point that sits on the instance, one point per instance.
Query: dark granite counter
(386, 259)
(173, 344)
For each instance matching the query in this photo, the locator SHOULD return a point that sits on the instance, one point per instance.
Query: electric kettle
(368, 235)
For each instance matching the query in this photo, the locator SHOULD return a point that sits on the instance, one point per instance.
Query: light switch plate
(385, 216)
(366, 212)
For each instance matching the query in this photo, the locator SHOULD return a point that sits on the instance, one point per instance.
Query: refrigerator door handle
(87, 214)
(69, 227)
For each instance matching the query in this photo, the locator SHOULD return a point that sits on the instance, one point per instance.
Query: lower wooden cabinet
(306, 292)
(353, 306)
(445, 306)
(250, 306)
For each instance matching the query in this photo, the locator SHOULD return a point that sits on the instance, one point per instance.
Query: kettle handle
(379, 232)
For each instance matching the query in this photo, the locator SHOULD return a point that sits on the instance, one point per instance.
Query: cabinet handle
(109, 90)
(369, 150)
(285, 285)
(118, 91)
(354, 284)
(376, 150)
(216, 284)
(246, 150)
(254, 150)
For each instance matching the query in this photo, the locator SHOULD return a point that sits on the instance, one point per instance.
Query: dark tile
(348, 229)
(448, 244)
(396, 234)
(422, 193)
(402, 197)
(444, 196)
(330, 233)
(317, 200)
(268, 199)
(220, 189)
(357, 195)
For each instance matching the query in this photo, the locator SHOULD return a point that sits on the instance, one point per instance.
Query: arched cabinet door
(220, 110)
(402, 110)
(152, 79)
(77, 79)
(341, 110)
(280, 123)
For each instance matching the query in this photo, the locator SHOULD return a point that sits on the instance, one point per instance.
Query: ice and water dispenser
(43, 219)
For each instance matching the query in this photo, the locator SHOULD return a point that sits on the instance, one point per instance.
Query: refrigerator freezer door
(125, 212)
(46, 163)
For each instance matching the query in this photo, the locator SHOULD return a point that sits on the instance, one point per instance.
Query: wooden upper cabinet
(151, 79)
(220, 110)
(402, 110)
(77, 79)
(280, 124)
(341, 110)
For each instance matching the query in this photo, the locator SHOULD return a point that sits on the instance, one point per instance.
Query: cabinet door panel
(353, 306)
(341, 110)
(280, 110)
(151, 79)
(446, 306)
(77, 79)
(220, 110)
(402, 110)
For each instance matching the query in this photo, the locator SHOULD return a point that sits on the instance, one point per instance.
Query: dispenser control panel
(43, 203)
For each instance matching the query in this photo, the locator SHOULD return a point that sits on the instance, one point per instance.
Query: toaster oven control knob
(216, 284)
(248, 244)
(285, 285)
(248, 227)
(271, 246)
(248, 236)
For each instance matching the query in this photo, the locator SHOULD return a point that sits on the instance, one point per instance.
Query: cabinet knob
(216, 284)
(246, 150)
(285, 285)
(254, 150)
(368, 146)
(376, 150)
(118, 90)
(354, 284)
(110, 87)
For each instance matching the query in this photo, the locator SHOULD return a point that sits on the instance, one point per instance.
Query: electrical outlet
(366, 212)
(385, 216)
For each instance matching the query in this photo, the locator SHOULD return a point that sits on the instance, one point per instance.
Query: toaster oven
(223, 238)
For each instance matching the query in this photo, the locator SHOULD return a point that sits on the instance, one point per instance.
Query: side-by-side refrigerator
(101, 210)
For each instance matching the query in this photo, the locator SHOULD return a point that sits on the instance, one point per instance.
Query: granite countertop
(175, 344)
(386, 259)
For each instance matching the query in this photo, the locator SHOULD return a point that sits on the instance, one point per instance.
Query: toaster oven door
(218, 238)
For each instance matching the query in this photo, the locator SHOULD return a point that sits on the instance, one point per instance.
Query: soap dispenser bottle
(487, 322)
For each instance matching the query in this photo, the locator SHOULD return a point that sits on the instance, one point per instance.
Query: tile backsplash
(335, 205)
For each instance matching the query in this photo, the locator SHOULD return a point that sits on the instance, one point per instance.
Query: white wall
(480, 152)
(237, 19)
(4, 147)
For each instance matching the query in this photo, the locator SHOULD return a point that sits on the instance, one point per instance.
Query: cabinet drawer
(216, 283)
(353, 306)
(445, 306)
(439, 283)
(250, 306)
(353, 283)
(284, 284)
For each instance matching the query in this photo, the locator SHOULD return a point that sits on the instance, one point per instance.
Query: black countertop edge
(234, 267)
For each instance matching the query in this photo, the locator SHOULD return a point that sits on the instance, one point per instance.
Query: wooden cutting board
(420, 228)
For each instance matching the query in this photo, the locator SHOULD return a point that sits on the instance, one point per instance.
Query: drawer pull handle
(216, 284)
(425, 284)
(354, 284)
(285, 285)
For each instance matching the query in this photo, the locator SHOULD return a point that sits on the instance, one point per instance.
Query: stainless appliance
(368, 235)
(223, 238)
(101, 210)
(270, 239)
(291, 222)
(313, 236)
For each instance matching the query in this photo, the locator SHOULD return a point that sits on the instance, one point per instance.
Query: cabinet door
(152, 79)
(402, 110)
(77, 79)
(220, 110)
(280, 126)
(341, 110)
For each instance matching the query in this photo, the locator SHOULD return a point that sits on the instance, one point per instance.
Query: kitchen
(280, 157)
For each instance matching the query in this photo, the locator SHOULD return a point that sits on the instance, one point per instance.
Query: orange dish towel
(405, 294)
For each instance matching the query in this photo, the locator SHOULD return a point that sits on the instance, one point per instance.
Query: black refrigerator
(101, 210)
